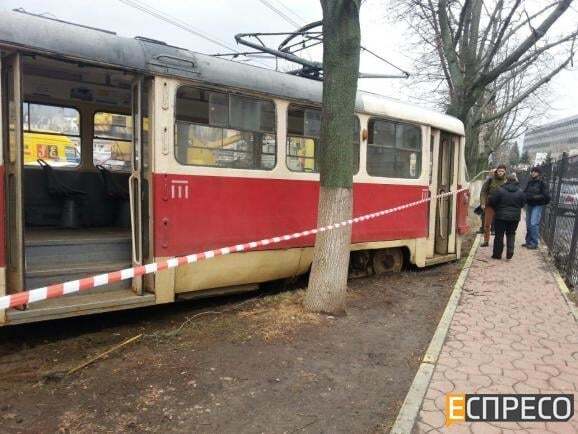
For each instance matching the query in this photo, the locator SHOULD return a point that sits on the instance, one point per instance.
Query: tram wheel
(387, 260)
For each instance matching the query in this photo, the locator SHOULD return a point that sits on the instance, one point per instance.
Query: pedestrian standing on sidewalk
(507, 201)
(536, 196)
(479, 210)
(491, 185)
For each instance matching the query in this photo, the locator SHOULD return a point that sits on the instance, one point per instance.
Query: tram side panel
(197, 213)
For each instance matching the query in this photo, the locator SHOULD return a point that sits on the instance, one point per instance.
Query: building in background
(553, 138)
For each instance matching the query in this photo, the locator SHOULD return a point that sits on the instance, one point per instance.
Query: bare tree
(514, 154)
(499, 126)
(525, 157)
(484, 58)
(341, 47)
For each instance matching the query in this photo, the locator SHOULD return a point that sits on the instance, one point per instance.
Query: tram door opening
(445, 182)
(12, 154)
(76, 196)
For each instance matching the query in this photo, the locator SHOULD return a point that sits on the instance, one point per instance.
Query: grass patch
(277, 316)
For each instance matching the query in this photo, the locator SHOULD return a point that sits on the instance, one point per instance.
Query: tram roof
(76, 42)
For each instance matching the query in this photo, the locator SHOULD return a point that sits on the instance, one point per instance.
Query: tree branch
(464, 12)
(536, 53)
(541, 30)
(497, 43)
(448, 51)
(492, 19)
(529, 19)
(528, 92)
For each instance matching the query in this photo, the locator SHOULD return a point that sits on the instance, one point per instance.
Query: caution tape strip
(73, 286)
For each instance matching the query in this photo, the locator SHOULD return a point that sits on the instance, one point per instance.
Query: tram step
(66, 249)
(43, 276)
(81, 304)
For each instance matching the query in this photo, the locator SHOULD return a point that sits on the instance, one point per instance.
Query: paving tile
(422, 428)
(485, 429)
(434, 419)
(461, 428)
(512, 333)
(563, 428)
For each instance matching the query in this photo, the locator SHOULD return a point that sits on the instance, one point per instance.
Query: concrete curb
(410, 408)
(564, 290)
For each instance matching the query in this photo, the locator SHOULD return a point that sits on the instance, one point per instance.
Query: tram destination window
(112, 143)
(51, 133)
(217, 129)
(393, 149)
(303, 132)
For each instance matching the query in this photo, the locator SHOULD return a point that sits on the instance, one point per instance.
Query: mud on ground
(237, 365)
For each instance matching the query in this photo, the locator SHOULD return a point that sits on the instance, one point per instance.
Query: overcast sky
(222, 19)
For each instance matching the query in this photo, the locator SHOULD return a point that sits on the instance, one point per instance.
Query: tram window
(112, 142)
(303, 131)
(251, 114)
(393, 149)
(221, 130)
(51, 133)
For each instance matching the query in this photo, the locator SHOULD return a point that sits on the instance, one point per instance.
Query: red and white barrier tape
(60, 289)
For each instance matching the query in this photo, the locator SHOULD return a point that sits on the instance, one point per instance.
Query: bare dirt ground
(235, 365)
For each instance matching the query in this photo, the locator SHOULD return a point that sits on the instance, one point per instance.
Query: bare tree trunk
(341, 45)
(328, 279)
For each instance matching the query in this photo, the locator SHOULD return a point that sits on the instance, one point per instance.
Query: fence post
(554, 211)
(552, 181)
(572, 254)
(545, 221)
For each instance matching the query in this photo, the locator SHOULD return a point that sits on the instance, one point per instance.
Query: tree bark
(328, 279)
(341, 46)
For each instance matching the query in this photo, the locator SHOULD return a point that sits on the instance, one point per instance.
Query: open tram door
(135, 179)
(11, 110)
(140, 179)
(445, 154)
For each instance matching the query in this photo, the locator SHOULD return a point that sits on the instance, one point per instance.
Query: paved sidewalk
(512, 332)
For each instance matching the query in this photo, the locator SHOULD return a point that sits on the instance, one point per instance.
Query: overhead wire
(280, 13)
(291, 11)
(141, 6)
(285, 17)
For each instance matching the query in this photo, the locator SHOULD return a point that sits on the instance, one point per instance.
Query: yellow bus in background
(56, 150)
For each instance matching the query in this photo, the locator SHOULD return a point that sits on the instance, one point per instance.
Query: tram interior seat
(116, 192)
(79, 91)
(69, 196)
(96, 208)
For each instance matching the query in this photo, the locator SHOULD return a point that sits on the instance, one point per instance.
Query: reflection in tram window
(393, 149)
(221, 130)
(51, 133)
(112, 143)
(303, 131)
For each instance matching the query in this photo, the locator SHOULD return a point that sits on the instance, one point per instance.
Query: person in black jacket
(536, 196)
(508, 201)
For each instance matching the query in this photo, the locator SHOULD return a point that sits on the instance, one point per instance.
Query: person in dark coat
(507, 201)
(537, 197)
(492, 183)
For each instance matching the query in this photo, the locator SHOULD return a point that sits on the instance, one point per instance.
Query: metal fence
(559, 227)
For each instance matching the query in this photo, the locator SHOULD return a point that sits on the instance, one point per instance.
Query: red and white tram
(150, 151)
